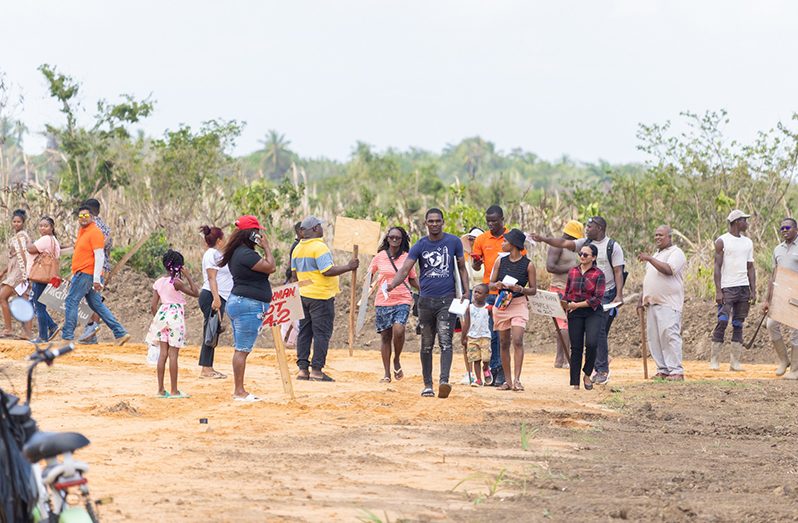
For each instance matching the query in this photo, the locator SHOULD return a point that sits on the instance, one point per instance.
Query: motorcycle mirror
(21, 309)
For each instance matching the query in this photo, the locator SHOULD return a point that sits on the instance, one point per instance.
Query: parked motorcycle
(48, 484)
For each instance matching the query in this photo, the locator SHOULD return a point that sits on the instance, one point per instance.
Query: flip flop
(249, 398)
(385, 379)
(163, 396)
(443, 390)
(301, 377)
(324, 377)
(428, 393)
(518, 387)
(215, 376)
(398, 374)
(504, 386)
(178, 396)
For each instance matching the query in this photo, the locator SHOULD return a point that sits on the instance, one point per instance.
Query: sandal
(504, 386)
(385, 379)
(398, 374)
(518, 387)
(588, 382)
(428, 392)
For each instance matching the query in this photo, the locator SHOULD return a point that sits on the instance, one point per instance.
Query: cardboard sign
(54, 300)
(546, 303)
(286, 306)
(783, 304)
(350, 232)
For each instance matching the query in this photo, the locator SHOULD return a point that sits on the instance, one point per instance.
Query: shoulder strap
(610, 249)
(388, 254)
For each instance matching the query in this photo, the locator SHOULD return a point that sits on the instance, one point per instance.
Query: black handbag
(212, 330)
(414, 309)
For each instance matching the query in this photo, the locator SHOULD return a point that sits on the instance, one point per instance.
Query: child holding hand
(475, 336)
(168, 327)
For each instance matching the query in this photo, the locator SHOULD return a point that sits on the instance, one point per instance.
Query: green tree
(102, 154)
(276, 159)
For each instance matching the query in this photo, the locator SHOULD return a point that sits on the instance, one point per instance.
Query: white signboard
(286, 306)
(54, 300)
(546, 303)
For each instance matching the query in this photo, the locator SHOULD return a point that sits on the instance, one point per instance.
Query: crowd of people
(489, 268)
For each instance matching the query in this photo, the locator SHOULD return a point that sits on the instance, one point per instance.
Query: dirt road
(709, 449)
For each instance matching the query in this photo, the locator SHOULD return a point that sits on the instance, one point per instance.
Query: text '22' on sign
(286, 306)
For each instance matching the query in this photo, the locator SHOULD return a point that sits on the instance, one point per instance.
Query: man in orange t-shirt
(485, 252)
(87, 268)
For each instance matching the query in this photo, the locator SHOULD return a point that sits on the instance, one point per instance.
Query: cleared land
(709, 449)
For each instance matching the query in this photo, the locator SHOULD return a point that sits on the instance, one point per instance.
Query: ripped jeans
(435, 318)
(735, 306)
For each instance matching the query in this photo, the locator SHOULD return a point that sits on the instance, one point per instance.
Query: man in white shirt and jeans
(611, 262)
(663, 293)
(735, 287)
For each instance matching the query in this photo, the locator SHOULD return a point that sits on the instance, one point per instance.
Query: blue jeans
(495, 351)
(246, 316)
(46, 323)
(82, 287)
(603, 349)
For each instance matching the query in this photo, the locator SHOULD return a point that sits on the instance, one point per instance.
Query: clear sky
(567, 77)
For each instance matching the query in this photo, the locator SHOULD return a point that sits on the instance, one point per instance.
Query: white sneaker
(89, 331)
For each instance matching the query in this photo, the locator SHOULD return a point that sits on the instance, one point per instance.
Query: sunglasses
(84, 215)
(786, 227)
(395, 238)
(585, 254)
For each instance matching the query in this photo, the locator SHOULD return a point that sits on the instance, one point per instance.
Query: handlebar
(47, 356)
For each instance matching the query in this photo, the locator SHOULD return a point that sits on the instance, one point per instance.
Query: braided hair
(173, 263)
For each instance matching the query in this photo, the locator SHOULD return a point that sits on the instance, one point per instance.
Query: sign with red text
(286, 306)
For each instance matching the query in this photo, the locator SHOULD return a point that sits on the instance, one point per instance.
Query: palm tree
(277, 154)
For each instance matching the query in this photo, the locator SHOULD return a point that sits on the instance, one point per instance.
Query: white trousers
(664, 331)
(775, 330)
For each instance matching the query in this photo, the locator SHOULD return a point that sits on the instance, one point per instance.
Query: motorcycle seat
(43, 445)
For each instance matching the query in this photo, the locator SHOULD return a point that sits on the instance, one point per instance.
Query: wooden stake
(642, 314)
(282, 361)
(567, 346)
(352, 305)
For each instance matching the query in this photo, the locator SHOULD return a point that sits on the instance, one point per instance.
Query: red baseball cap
(248, 222)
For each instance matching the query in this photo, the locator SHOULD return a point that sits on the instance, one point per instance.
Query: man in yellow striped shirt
(312, 260)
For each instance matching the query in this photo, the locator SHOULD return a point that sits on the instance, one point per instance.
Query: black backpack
(610, 249)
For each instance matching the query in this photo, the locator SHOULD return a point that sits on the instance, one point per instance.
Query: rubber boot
(717, 346)
(794, 366)
(781, 352)
(736, 353)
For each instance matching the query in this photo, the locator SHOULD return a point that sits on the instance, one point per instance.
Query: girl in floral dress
(168, 327)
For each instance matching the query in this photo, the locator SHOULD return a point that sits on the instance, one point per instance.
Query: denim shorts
(246, 316)
(390, 314)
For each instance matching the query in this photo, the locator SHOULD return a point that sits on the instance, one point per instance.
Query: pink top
(48, 244)
(167, 292)
(382, 265)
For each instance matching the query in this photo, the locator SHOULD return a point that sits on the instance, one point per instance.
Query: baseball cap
(248, 222)
(736, 214)
(515, 238)
(574, 229)
(475, 231)
(310, 222)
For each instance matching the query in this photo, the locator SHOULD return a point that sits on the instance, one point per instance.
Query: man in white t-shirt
(735, 287)
(663, 294)
(611, 262)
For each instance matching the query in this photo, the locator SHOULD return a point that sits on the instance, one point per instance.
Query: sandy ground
(360, 450)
